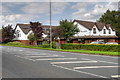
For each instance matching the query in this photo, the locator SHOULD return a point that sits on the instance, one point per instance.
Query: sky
(24, 12)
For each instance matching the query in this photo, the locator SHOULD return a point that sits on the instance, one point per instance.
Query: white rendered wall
(22, 35)
(83, 31)
(97, 31)
(86, 32)
(25, 36)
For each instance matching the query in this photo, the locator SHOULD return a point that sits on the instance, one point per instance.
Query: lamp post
(50, 28)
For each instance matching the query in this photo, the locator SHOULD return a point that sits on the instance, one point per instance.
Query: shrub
(46, 45)
(54, 45)
(114, 48)
(39, 45)
(15, 43)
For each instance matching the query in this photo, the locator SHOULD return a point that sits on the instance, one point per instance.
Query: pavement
(34, 63)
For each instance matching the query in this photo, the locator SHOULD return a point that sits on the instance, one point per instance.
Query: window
(94, 30)
(109, 31)
(26, 27)
(104, 31)
(18, 33)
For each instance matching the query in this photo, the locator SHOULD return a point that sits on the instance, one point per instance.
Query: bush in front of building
(54, 45)
(101, 47)
(44, 45)
(15, 44)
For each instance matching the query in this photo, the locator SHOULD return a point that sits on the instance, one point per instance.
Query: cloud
(54, 22)
(85, 12)
(16, 18)
(44, 8)
(60, 0)
(36, 8)
(59, 7)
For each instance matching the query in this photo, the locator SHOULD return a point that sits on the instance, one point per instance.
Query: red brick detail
(75, 41)
(25, 42)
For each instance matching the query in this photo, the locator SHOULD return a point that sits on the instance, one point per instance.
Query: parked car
(111, 43)
(96, 42)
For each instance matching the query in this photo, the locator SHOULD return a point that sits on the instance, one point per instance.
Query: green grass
(78, 51)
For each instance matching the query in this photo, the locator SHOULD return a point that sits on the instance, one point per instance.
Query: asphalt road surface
(34, 63)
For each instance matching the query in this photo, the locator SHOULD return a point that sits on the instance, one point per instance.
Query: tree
(113, 18)
(37, 30)
(31, 38)
(57, 32)
(68, 29)
(7, 34)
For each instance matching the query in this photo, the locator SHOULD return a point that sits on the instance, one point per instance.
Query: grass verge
(76, 51)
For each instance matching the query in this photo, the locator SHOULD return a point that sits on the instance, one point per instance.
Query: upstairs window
(26, 27)
(109, 31)
(94, 30)
(18, 33)
(104, 31)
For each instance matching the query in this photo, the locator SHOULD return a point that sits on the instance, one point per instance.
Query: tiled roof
(26, 27)
(89, 25)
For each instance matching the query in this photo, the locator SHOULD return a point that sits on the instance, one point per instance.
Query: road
(34, 63)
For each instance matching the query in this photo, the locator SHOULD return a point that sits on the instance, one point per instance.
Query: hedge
(15, 43)
(101, 47)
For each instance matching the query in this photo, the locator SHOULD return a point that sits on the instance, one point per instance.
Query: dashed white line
(20, 50)
(73, 62)
(45, 56)
(90, 67)
(34, 54)
(24, 58)
(56, 59)
(115, 76)
(100, 61)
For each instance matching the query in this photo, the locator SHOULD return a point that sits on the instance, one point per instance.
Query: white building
(93, 31)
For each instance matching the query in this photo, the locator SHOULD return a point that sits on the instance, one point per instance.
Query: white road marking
(34, 54)
(56, 59)
(20, 50)
(115, 76)
(79, 71)
(90, 67)
(45, 56)
(73, 62)
(100, 61)
(24, 58)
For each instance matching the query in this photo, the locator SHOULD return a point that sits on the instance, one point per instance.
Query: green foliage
(31, 38)
(7, 34)
(113, 18)
(44, 45)
(54, 45)
(114, 48)
(68, 28)
(15, 43)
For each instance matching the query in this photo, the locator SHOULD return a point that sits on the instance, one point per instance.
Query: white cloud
(44, 8)
(59, 7)
(36, 8)
(54, 22)
(16, 18)
(60, 0)
(92, 14)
